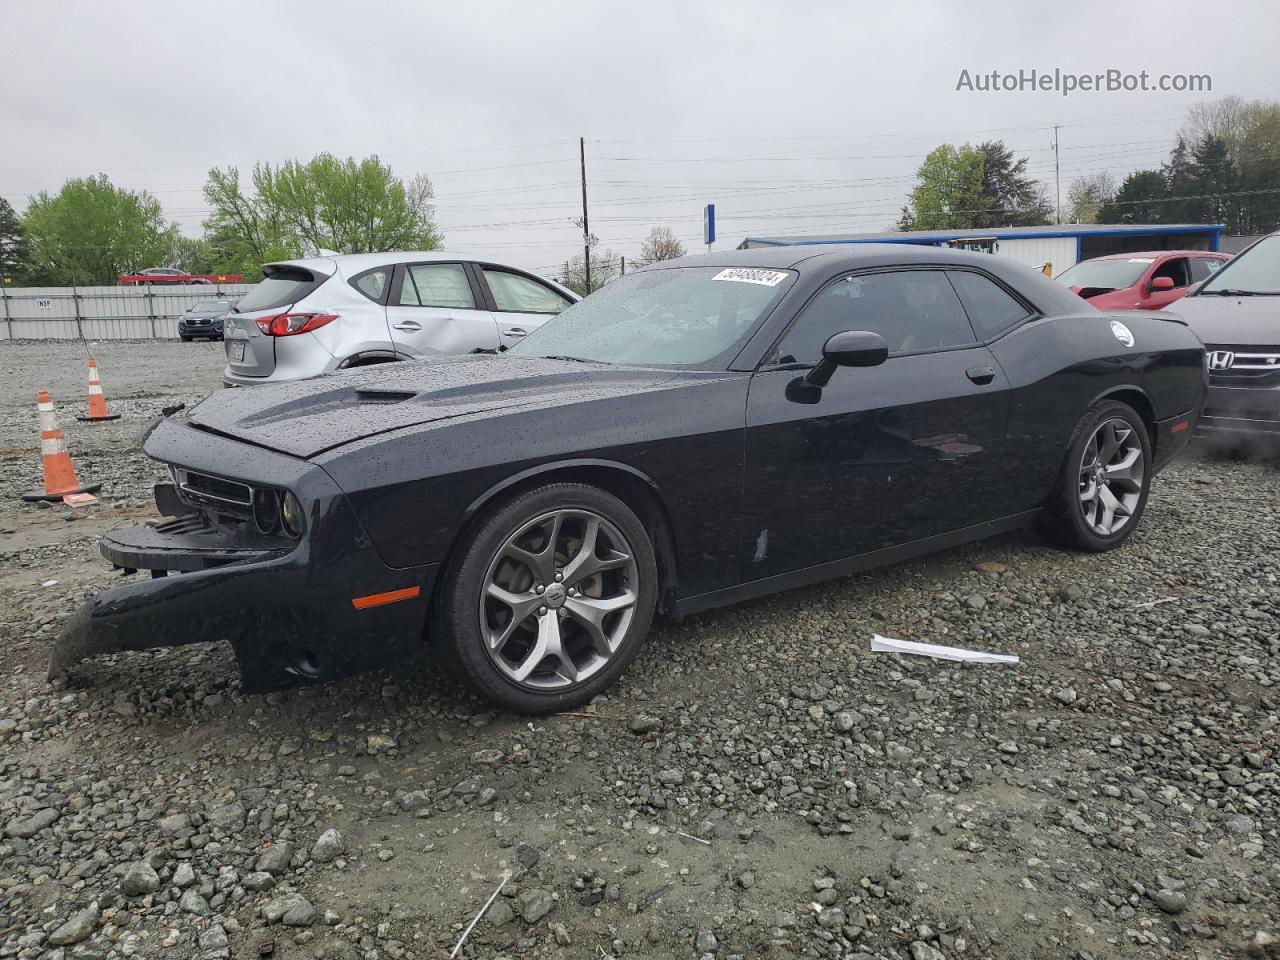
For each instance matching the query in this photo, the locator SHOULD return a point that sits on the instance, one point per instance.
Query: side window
(1175, 268)
(436, 285)
(1202, 268)
(991, 309)
(373, 284)
(914, 310)
(517, 294)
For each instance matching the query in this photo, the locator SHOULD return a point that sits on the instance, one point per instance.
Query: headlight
(291, 516)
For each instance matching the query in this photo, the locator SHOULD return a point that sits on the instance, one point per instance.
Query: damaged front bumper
(289, 607)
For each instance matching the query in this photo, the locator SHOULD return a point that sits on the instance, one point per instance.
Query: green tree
(948, 191)
(13, 245)
(1138, 200)
(192, 254)
(1179, 178)
(244, 232)
(91, 231)
(1011, 198)
(326, 203)
(1212, 187)
(1258, 165)
(1086, 195)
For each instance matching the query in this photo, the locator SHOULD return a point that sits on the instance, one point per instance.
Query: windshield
(677, 316)
(1257, 270)
(281, 287)
(1111, 274)
(210, 306)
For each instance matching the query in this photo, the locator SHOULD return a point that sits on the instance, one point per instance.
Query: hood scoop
(384, 396)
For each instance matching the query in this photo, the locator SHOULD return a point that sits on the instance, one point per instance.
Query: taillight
(290, 324)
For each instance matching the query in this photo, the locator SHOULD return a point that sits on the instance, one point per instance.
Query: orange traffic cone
(59, 473)
(97, 401)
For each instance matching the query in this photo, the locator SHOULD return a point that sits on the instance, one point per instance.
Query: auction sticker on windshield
(766, 278)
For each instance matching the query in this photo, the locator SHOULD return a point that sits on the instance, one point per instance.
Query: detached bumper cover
(183, 544)
(286, 607)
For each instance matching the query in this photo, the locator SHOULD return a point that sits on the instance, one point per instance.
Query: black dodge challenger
(702, 431)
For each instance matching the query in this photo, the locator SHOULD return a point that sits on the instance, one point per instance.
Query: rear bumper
(1172, 438)
(286, 607)
(290, 358)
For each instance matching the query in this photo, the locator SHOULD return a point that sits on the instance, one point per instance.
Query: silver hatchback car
(313, 316)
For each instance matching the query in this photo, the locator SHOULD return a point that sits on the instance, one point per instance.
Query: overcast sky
(794, 118)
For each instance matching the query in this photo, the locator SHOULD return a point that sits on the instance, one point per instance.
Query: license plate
(235, 350)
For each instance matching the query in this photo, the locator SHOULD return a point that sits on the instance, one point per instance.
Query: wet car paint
(744, 489)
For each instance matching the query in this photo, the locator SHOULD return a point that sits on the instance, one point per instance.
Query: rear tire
(1101, 490)
(547, 599)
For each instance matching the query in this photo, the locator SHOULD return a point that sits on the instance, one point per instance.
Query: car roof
(1159, 254)
(355, 262)
(824, 257)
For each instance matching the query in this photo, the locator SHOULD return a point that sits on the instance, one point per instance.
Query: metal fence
(103, 313)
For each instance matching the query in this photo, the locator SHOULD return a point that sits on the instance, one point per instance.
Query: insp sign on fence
(103, 313)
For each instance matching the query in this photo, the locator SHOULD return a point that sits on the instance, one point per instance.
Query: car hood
(1232, 320)
(304, 418)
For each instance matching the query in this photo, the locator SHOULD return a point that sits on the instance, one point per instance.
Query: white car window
(436, 285)
(517, 294)
(374, 283)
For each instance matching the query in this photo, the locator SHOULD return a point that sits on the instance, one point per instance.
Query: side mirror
(852, 348)
(1161, 283)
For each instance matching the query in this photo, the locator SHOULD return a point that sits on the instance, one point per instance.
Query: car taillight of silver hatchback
(292, 324)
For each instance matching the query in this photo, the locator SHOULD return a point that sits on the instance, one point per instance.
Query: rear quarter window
(991, 309)
(373, 283)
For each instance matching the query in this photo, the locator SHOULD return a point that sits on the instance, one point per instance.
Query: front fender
(556, 466)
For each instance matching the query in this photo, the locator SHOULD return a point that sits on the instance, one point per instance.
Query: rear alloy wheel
(550, 600)
(1105, 478)
(1112, 471)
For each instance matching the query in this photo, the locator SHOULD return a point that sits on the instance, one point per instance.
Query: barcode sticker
(766, 278)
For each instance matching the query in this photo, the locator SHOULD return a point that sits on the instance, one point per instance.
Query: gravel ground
(759, 785)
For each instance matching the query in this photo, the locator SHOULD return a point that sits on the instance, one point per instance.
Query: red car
(1140, 281)
(174, 275)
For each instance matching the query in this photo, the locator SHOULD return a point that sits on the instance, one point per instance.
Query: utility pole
(1057, 178)
(586, 227)
(623, 273)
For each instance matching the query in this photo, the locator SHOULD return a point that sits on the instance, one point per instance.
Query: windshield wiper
(1230, 292)
(560, 356)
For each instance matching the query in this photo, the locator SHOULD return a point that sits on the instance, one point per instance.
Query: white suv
(327, 313)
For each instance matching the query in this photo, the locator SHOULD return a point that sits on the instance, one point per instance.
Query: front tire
(1101, 490)
(548, 599)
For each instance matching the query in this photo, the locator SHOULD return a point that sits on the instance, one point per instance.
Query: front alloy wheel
(558, 599)
(546, 598)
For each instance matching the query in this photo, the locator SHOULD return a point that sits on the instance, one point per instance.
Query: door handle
(981, 375)
(409, 325)
(515, 332)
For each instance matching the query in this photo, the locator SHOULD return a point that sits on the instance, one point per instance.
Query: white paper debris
(881, 644)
